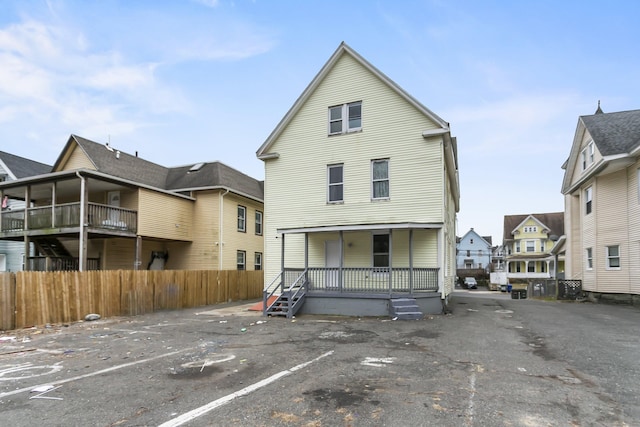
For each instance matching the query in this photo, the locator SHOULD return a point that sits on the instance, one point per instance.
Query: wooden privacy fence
(37, 298)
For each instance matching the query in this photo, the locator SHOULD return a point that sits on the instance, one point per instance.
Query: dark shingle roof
(614, 133)
(133, 168)
(123, 165)
(554, 221)
(21, 167)
(214, 174)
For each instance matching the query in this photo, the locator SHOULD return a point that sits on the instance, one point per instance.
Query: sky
(186, 81)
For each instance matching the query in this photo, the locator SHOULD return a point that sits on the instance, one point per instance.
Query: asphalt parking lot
(491, 361)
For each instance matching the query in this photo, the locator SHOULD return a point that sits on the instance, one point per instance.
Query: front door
(332, 262)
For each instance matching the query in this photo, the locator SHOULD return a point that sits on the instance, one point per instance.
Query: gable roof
(487, 239)
(553, 221)
(20, 167)
(343, 49)
(209, 175)
(616, 137)
(614, 133)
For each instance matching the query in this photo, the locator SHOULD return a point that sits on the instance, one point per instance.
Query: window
(517, 247)
(345, 118)
(613, 257)
(241, 260)
(541, 245)
(471, 241)
(335, 187)
(381, 250)
(588, 197)
(242, 218)
(589, 258)
(380, 179)
(468, 252)
(531, 267)
(531, 245)
(531, 229)
(588, 155)
(259, 223)
(518, 267)
(257, 263)
(543, 267)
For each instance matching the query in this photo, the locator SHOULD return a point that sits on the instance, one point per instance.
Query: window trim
(587, 155)
(588, 197)
(533, 246)
(244, 260)
(589, 258)
(330, 184)
(387, 179)
(242, 218)
(345, 118)
(609, 257)
(258, 224)
(386, 268)
(257, 261)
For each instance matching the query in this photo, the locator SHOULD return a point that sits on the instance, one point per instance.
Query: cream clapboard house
(103, 209)
(602, 204)
(361, 196)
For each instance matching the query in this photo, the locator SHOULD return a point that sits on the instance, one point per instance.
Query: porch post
(26, 252)
(306, 250)
(82, 248)
(340, 284)
(53, 205)
(411, 260)
(282, 263)
(138, 260)
(25, 227)
(390, 262)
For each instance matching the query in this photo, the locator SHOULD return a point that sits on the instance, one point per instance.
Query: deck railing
(366, 279)
(68, 215)
(41, 263)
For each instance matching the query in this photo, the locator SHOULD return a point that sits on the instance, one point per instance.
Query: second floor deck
(67, 218)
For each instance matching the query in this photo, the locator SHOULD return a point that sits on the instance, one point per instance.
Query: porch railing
(366, 279)
(68, 215)
(41, 263)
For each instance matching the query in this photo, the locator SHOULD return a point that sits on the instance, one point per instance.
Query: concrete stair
(405, 309)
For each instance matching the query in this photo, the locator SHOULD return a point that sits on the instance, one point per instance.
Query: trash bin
(509, 287)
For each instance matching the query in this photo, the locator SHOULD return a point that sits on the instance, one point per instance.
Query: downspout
(81, 246)
(441, 235)
(221, 229)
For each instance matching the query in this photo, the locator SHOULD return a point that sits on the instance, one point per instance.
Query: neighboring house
(529, 242)
(14, 167)
(601, 189)
(497, 258)
(361, 196)
(473, 252)
(101, 208)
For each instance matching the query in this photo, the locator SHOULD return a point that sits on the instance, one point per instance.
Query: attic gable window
(588, 155)
(345, 118)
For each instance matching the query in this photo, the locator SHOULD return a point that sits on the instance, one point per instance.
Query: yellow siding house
(103, 209)
(361, 193)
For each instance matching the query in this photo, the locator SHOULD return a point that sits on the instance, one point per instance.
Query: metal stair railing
(290, 300)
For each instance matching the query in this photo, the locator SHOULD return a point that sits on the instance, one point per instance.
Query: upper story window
(335, 187)
(613, 257)
(242, 218)
(541, 245)
(517, 247)
(588, 198)
(259, 223)
(531, 229)
(380, 179)
(531, 245)
(345, 118)
(588, 155)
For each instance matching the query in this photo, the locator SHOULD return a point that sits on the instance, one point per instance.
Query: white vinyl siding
(297, 179)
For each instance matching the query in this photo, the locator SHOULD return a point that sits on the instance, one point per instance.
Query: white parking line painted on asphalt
(377, 362)
(92, 374)
(195, 413)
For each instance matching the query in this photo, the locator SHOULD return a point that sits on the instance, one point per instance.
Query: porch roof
(360, 227)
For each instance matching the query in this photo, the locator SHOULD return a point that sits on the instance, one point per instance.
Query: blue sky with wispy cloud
(198, 80)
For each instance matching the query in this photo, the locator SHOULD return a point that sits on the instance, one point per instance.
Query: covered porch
(62, 213)
(359, 270)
